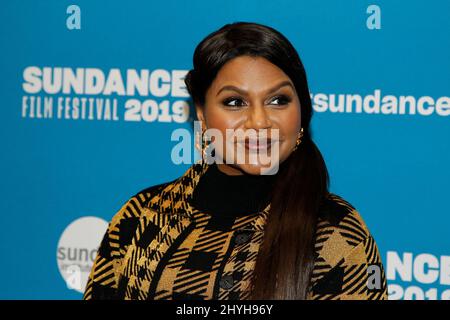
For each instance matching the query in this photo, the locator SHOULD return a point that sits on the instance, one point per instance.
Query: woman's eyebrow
(243, 92)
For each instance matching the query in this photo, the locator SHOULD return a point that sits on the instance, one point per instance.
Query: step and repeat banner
(92, 91)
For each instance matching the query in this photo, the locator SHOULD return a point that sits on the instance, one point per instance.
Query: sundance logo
(77, 249)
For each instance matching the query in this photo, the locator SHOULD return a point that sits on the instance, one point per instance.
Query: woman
(228, 230)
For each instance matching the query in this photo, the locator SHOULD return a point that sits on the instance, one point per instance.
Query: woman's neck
(232, 195)
(229, 170)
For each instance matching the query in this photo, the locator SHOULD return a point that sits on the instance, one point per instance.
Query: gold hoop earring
(299, 139)
(197, 141)
(200, 143)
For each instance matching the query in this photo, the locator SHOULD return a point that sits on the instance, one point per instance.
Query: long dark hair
(286, 257)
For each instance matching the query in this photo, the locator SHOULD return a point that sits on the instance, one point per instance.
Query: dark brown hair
(285, 260)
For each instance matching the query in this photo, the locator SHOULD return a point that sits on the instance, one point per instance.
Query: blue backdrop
(387, 149)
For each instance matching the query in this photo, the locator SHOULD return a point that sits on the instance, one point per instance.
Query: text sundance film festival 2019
(92, 94)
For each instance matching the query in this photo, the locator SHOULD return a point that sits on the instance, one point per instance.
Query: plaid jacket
(159, 247)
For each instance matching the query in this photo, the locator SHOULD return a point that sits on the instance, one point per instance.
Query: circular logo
(77, 249)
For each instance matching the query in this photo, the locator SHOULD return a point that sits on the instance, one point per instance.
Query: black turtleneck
(232, 195)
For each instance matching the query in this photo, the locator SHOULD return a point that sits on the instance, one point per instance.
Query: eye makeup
(282, 99)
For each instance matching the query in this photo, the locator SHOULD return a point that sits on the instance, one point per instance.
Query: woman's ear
(200, 115)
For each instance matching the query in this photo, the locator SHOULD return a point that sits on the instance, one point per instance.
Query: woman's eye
(234, 102)
(280, 100)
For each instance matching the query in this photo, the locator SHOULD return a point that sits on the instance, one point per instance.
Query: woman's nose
(258, 118)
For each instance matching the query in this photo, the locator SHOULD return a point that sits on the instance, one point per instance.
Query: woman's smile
(258, 144)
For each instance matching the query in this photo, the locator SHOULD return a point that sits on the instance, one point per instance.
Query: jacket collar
(174, 197)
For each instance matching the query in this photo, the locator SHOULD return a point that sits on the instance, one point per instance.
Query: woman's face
(251, 93)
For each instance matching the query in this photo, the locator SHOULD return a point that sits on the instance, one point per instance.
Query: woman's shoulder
(337, 213)
(158, 198)
(344, 250)
(125, 220)
(340, 229)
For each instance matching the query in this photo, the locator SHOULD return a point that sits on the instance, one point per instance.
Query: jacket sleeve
(103, 281)
(359, 275)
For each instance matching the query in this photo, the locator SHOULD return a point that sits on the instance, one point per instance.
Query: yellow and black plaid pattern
(159, 247)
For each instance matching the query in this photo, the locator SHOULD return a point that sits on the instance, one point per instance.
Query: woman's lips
(256, 145)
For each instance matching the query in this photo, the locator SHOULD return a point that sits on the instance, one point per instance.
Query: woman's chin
(259, 169)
